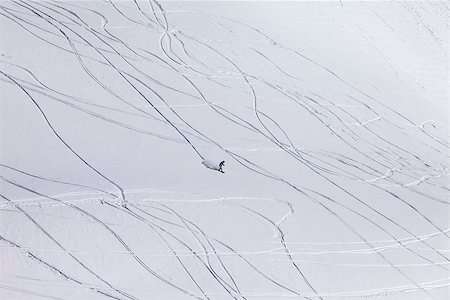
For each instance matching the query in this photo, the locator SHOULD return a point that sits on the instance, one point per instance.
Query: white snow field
(332, 119)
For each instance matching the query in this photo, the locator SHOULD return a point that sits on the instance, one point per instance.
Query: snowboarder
(221, 164)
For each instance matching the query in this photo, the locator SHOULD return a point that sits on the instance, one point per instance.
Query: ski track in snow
(159, 91)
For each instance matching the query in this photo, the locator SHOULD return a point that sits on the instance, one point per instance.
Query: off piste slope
(332, 120)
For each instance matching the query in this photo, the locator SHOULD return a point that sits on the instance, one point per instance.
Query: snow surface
(332, 118)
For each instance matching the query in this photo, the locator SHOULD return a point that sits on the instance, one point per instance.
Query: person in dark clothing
(221, 164)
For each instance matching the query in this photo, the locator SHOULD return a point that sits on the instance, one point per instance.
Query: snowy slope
(332, 119)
